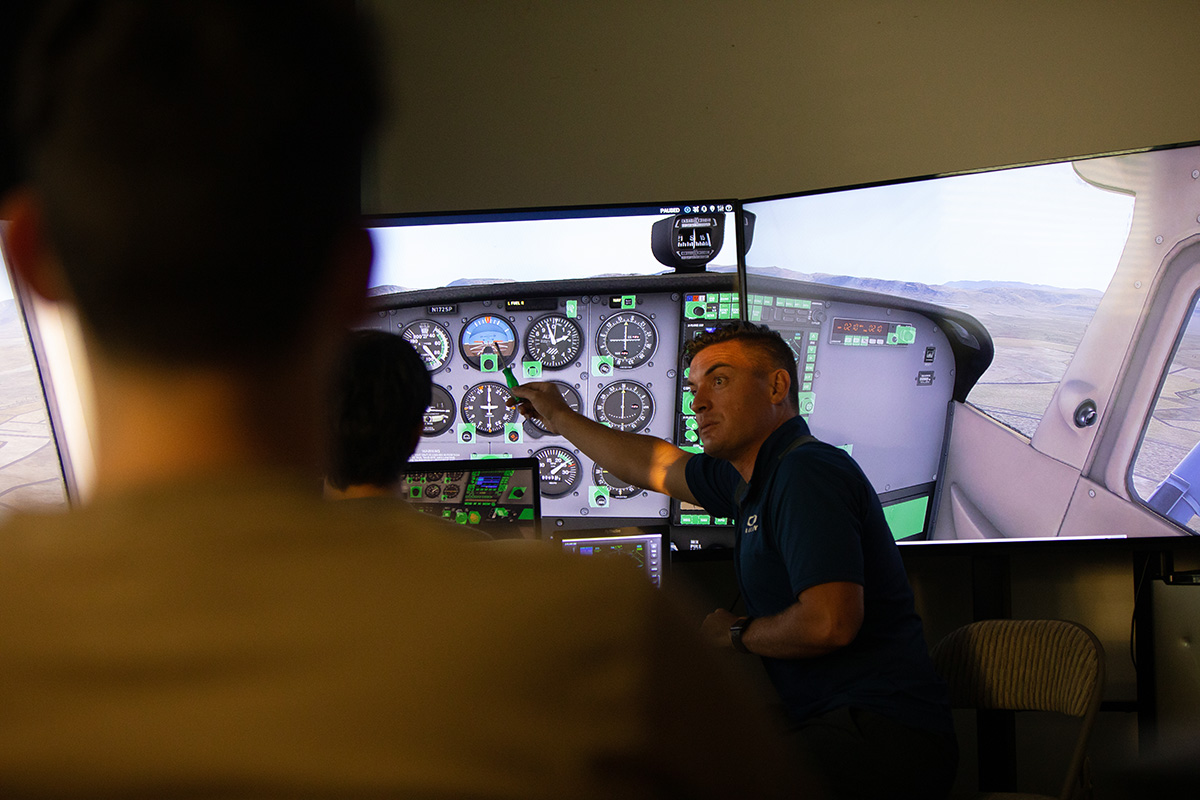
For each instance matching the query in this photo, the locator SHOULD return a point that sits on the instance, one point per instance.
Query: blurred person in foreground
(207, 624)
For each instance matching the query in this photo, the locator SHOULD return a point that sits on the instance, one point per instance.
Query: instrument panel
(611, 346)
(876, 375)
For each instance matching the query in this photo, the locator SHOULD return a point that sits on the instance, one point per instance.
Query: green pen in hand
(511, 380)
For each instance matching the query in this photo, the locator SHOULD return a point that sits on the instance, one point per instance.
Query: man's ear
(26, 242)
(781, 384)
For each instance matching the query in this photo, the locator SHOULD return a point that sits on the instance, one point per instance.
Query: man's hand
(541, 401)
(715, 628)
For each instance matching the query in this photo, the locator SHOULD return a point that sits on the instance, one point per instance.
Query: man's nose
(699, 400)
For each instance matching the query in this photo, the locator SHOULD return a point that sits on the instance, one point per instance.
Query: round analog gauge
(554, 340)
(450, 491)
(629, 337)
(433, 491)
(617, 488)
(571, 397)
(488, 333)
(484, 406)
(440, 414)
(558, 471)
(624, 405)
(431, 340)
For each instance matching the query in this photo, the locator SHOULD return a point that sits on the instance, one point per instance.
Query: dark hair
(379, 395)
(197, 161)
(773, 352)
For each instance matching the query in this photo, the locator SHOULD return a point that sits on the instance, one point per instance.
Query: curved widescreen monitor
(1011, 348)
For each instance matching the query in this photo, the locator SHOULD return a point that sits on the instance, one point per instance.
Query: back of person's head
(768, 348)
(197, 163)
(380, 392)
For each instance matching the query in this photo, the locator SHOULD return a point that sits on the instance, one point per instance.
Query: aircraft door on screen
(1101, 455)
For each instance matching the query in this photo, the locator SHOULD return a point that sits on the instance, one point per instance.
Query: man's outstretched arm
(641, 460)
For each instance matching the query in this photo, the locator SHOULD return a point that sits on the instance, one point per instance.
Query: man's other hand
(715, 628)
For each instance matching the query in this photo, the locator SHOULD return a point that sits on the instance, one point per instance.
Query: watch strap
(736, 631)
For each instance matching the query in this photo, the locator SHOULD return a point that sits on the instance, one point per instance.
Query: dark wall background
(539, 102)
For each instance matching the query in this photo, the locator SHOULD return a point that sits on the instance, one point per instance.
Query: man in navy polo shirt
(830, 608)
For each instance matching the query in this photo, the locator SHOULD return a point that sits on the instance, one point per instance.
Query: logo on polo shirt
(751, 523)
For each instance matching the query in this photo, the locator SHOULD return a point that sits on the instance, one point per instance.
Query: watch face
(484, 405)
(624, 405)
(572, 398)
(629, 337)
(486, 335)
(558, 471)
(431, 341)
(554, 340)
(440, 414)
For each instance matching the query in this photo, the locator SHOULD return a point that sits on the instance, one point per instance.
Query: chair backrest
(1027, 665)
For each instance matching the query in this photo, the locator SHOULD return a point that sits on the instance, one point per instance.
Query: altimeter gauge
(554, 340)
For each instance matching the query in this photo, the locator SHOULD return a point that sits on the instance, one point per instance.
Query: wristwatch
(736, 630)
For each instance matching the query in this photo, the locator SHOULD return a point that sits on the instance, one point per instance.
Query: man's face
(731, 397)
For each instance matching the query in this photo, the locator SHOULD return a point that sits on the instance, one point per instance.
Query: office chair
(1028, 665)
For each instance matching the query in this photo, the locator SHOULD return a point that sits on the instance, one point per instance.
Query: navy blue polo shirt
(810, 516)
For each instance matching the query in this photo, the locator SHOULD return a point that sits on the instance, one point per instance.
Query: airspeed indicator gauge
(554, 340)
(624, 405)
(431, 340)
(629, 337)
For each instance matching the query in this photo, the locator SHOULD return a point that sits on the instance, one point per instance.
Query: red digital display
(860, 327)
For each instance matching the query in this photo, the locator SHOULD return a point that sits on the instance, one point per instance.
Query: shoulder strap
(743, 487)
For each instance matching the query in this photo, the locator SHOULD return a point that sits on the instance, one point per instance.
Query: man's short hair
(380, 392)
(197, 161)
(771, 350)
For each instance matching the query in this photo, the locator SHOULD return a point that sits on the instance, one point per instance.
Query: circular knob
(1085, 414)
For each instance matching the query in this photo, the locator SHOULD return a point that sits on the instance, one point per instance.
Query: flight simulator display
(498, 497)
(612, 296)
(1069, 283)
